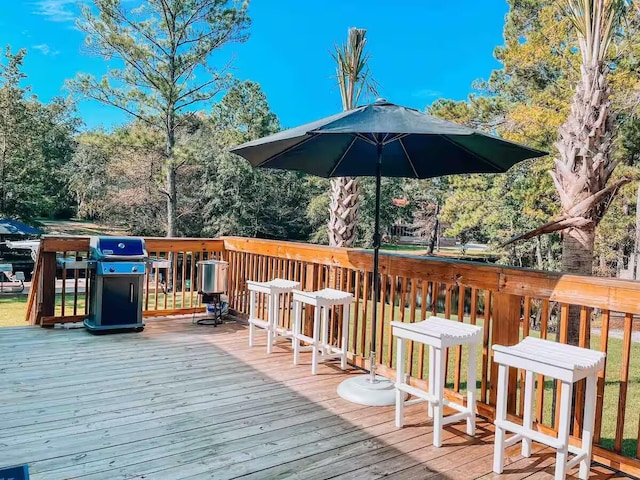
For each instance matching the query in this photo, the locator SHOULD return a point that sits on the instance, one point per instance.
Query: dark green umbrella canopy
(414, 145)
(384, 140)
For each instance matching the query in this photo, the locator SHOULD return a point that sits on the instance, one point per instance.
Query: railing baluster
(423, 316)
(174, 277)
(183, 304)
(624, 382)
(379, 303)
(585, 325)
(447, 314)
(63, 296)
(392, 280)
(365, 317)
(192, 281)
(412, 318)
(563, 334)
(525, 332)
(76, 274)
(356, 314)
(604, 345)
(462, 291)
(484, 394)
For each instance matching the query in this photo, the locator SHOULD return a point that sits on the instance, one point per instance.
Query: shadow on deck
(188, 401)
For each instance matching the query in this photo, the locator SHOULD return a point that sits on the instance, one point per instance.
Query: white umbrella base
(358, 389)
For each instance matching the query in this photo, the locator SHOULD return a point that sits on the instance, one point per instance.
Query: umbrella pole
(376, 262)
(371, 389)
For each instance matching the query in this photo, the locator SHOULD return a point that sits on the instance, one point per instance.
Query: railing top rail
(60, 243)
(605, 293)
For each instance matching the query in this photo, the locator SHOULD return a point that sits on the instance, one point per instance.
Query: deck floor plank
(184, 401)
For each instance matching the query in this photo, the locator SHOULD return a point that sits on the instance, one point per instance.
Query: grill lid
(117, 248)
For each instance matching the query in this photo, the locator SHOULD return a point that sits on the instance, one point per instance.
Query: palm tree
(354, 78)
(585, 164)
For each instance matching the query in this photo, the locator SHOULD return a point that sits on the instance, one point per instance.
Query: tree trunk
(172, 196)
(172, 190)
(539, 253)
(2, 181)
(577, 258)
(435, 234)
(171, 199)
(343, 211)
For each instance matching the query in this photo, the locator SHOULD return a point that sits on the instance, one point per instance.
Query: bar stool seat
(272, 290)
(565, 363)
(439, 334)
(320, 344)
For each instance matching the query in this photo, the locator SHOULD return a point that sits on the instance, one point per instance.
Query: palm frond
(596, 22)
(352, 69)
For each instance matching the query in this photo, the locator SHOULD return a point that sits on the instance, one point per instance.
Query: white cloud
(425, 93)
(56, 10)
(45, 49)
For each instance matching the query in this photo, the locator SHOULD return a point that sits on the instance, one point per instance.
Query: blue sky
(420, 50)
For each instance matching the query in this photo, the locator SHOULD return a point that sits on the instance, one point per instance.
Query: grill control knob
(134, 269)
(111, 269)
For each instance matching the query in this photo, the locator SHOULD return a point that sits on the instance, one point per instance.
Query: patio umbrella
(9, 226)
(384, 139)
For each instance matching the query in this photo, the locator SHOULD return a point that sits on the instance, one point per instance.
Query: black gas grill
(117, 282)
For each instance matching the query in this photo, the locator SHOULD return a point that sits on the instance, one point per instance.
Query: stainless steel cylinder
(212, 276)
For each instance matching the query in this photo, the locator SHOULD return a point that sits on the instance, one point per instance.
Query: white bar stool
(321, 348)
(439, 334)
(566, 363)
(272, 290)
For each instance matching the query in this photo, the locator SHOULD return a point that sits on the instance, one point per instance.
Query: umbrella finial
(380, 101)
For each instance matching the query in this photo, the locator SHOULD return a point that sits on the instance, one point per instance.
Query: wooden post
(32, 302)
(505, 330)
(46, 299)
(312, 282)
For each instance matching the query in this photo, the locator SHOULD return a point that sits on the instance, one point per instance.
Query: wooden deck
(185, 401)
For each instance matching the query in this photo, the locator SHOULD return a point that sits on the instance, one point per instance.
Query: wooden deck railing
(60, 286)
(508, 303)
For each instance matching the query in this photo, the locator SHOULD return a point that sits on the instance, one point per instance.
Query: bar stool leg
(297, 320)
(528, 412)
(431, 379)
(270, 325)
(587, 428)
(439, 392)
(471, 390)
(316, 339)
(563, 430)
(400, 380)
(345, 336)
(501, 414)
(325, 331)
(252, 315)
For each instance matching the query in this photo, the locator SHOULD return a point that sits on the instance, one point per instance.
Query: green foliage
(165, 48)
(241, 200)
(526, 101)
(318, 210)
(35, 145)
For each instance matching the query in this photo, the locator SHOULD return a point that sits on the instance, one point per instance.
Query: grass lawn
(13, 306)
(447, 252)
(12, 310)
